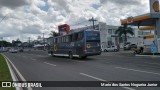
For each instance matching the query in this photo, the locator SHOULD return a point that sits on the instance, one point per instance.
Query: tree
(53, 34)
(5, 44)
(124, 30)
(16, 43)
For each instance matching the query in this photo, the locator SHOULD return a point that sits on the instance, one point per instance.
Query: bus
(77, 44)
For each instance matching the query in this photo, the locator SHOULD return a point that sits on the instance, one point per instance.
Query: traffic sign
(154, 49)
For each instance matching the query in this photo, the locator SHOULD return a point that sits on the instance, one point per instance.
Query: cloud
(34, 17)
(121, 2)
(14, 3)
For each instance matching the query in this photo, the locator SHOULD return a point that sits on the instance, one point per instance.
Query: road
(110, 66)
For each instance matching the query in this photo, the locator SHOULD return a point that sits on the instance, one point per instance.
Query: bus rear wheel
(70, 55)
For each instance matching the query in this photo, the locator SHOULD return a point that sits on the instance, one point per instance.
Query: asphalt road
(110, 66)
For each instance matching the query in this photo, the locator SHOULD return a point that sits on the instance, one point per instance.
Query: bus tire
(84, 57)
(70, 55)
(52, 54)
(105, 50)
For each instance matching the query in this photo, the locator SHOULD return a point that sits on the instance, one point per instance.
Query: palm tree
(124, 30)
(53, 34)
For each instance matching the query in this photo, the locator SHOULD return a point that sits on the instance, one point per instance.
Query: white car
(111, 48)
(12, 50)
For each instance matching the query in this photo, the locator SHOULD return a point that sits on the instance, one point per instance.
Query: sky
(31, 18)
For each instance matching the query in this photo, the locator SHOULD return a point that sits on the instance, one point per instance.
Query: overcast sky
(31, 18)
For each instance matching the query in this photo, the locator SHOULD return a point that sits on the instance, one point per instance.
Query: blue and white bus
(77, 44)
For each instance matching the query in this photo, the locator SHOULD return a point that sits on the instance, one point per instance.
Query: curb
(13, 73)
(147, 56)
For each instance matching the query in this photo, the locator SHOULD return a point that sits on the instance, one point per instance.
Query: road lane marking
(50, 64)
(103, 80)
(92, 77)
(152, 63)
(137, 70)
(14, 77)
(17, 71)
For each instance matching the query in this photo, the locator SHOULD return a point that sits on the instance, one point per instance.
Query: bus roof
(76, 31)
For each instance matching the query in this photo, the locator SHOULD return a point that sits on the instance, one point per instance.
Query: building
(107, 35)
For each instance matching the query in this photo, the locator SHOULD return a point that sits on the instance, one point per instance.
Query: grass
(4, 73)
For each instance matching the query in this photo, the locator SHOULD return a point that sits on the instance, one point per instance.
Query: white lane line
(103, 80)
(17, 71)
(152, 63)
(50, 64)
(14, 77)
(137, 70)
(92, 77)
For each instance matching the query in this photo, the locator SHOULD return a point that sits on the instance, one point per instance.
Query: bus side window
(55, 40)
(75, 37)
(80, 36)
(67, 38)
(72, 38)
(61, 39)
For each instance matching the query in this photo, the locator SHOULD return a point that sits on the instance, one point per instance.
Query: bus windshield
(92, 36)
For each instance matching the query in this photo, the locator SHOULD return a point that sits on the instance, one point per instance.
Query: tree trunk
(125, 39)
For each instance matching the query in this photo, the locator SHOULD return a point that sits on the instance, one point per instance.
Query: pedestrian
(141, 49)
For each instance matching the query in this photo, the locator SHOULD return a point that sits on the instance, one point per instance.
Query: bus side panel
(79, 47)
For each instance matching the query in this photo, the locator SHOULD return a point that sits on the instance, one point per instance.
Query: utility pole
(92, 20)
(29, 43)
(43, 42)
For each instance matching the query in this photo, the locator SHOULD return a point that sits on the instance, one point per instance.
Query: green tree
(5, 44)
(53, 34)
(124, 30)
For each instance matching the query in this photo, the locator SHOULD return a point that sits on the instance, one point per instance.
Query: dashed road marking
(92, 77)
(103, 80)
(50, 64)
(137, 70)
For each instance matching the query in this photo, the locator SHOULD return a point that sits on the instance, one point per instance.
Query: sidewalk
(120, 53)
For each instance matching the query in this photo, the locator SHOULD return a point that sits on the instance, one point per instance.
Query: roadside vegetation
(4, 73)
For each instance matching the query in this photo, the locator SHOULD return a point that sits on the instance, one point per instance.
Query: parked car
(13, 50)
(111, 48)
(20, 50)
(130, 46)
(3, 49)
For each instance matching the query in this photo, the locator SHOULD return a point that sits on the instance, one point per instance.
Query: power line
(2, 19)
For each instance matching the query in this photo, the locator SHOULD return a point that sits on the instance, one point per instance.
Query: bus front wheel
(70, 55)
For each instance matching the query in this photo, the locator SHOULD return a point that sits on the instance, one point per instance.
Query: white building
(107, 35)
